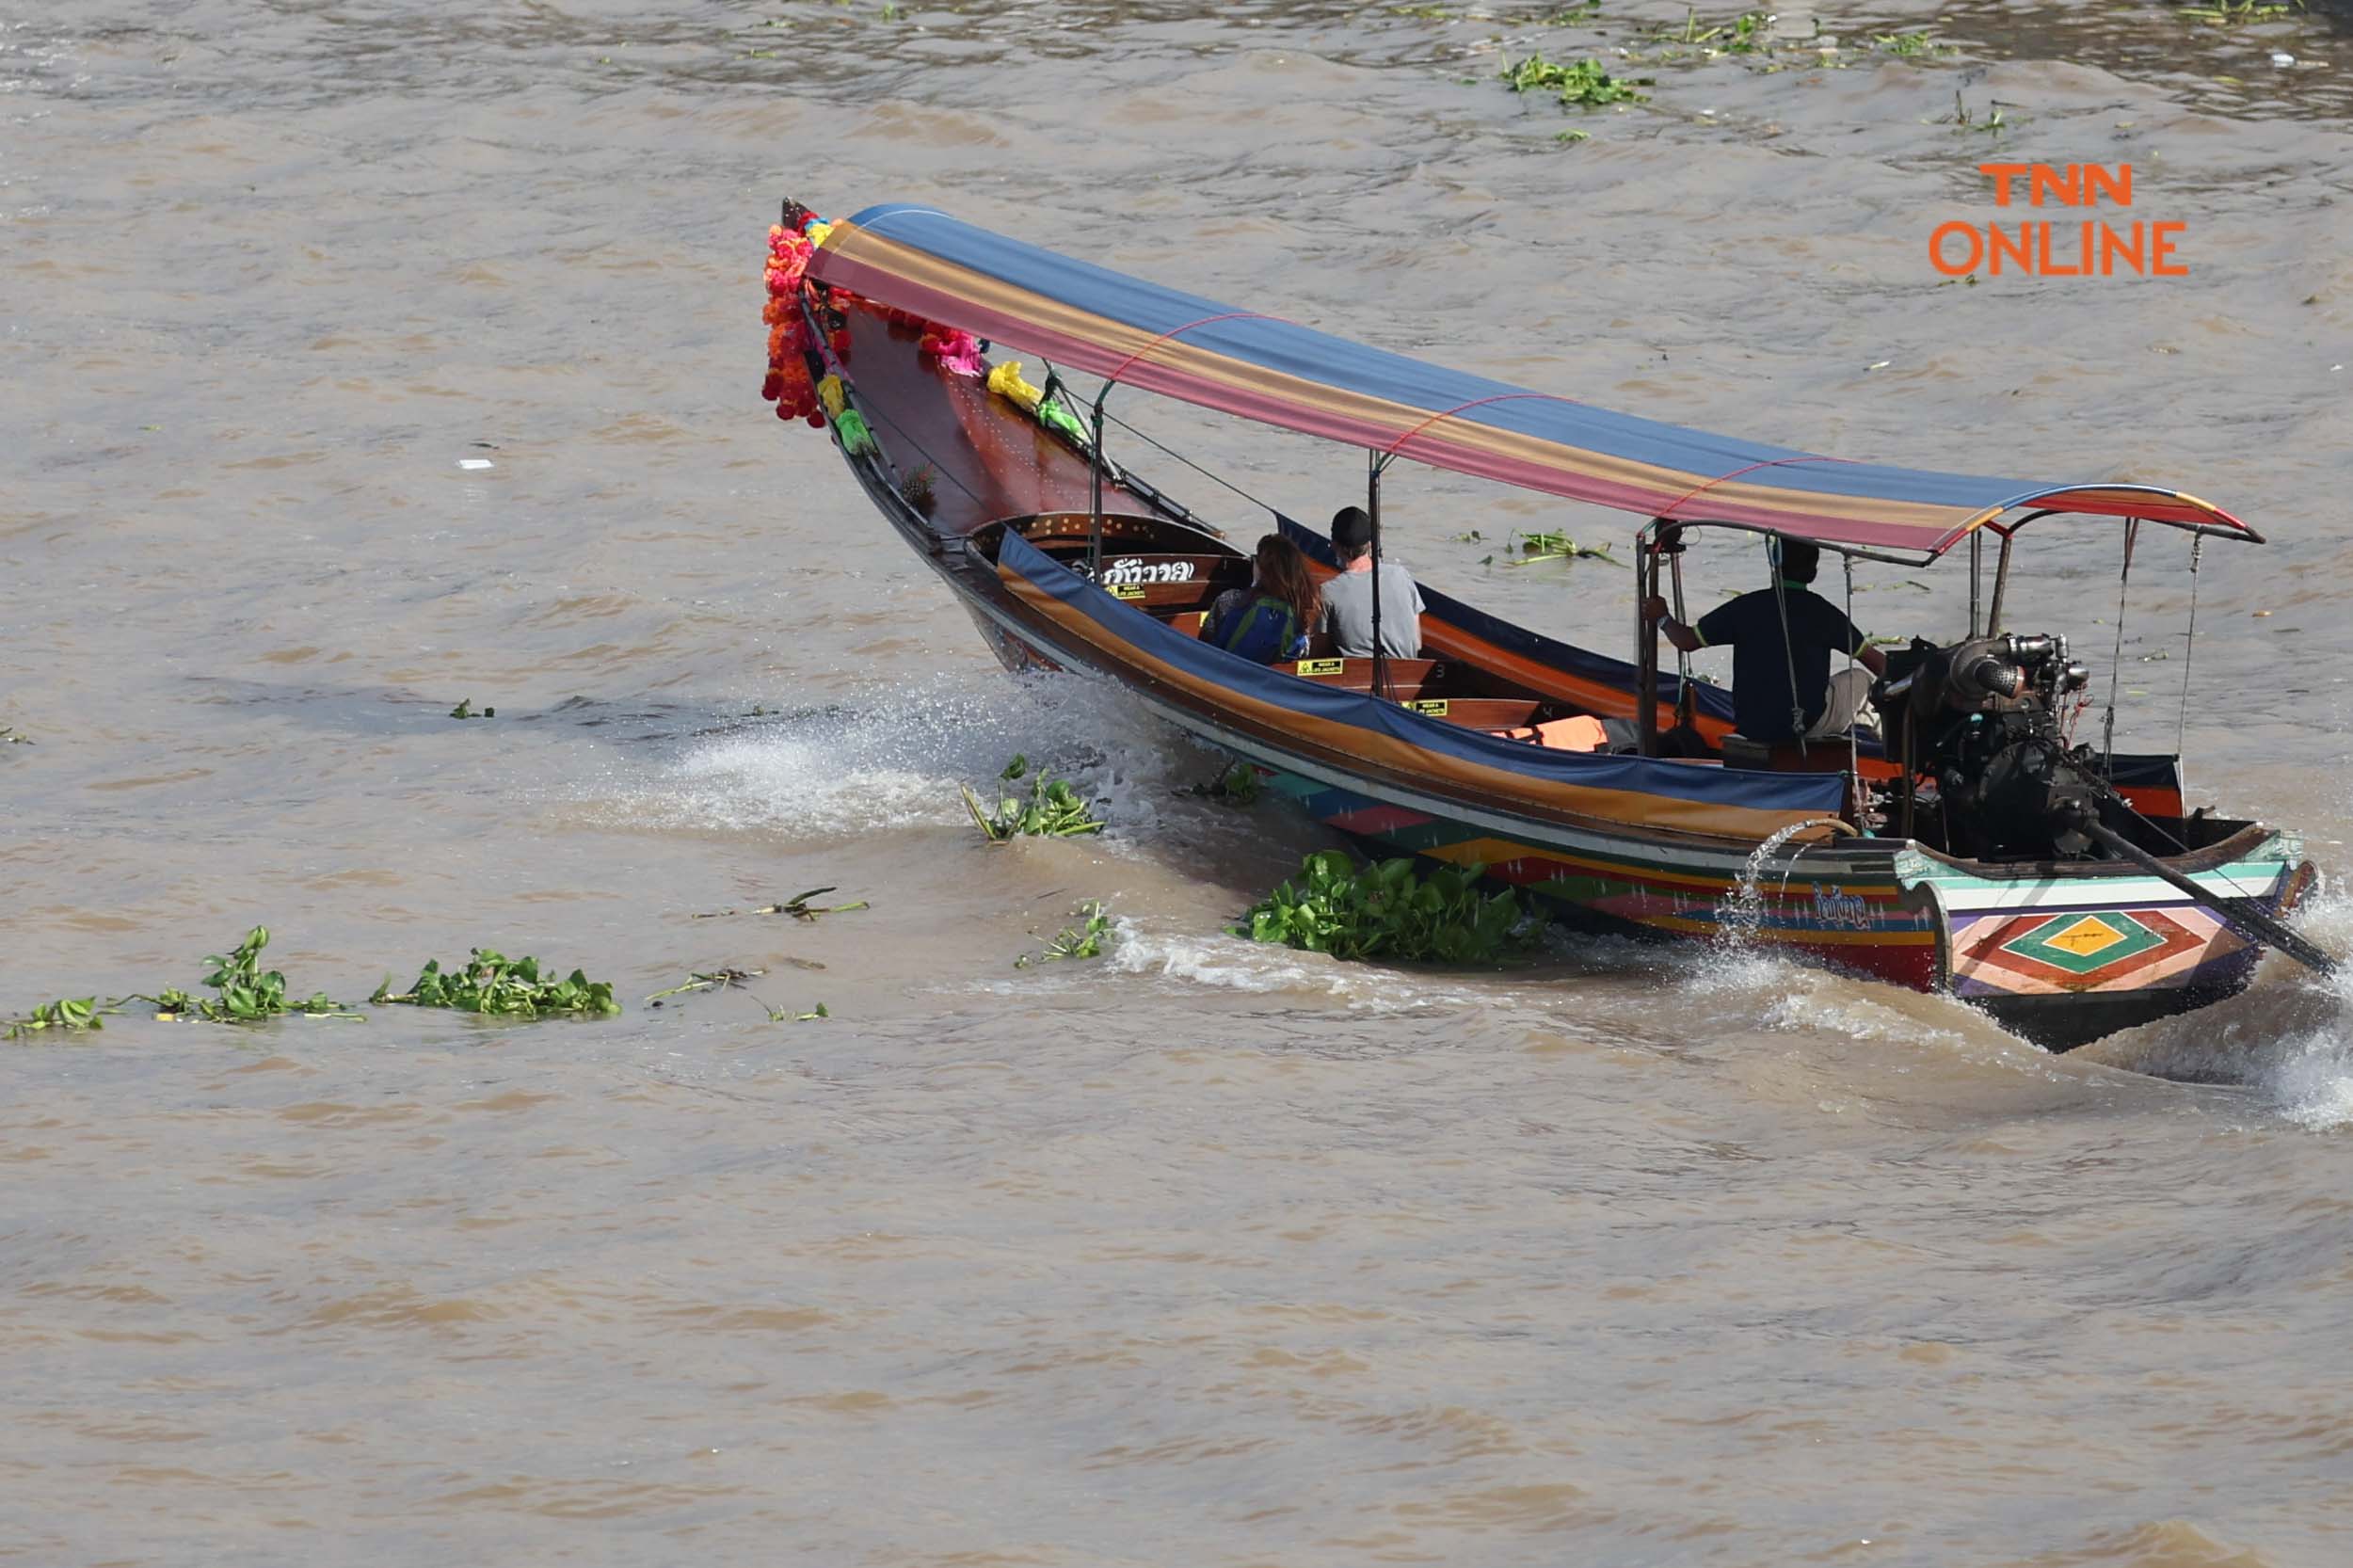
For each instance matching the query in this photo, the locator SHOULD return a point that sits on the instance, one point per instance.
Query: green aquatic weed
(1389, 910)
(1238, 785)
(247, 993)
(1585, 82)
(2230, 14)
(1083, 941)
(1912, 45)
(1053, 810)
(489, 982)
(69, 1014)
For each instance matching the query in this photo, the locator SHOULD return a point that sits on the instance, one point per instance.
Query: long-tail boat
(1965, 846)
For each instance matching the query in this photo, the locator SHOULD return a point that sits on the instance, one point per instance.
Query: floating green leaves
(797, 907)
(64, 1014)
(1911, 46)
(465, 710)
(1238, 785)
(249, 993)
(717, 980)
(1749, 33)
(1964, 124)
(2230, 14)
(489, 982)
(1053, 810)
(10, 736)
(1538, 547)
(1389, 911)
(800, 908)
(1083, 940)
(1584, 83)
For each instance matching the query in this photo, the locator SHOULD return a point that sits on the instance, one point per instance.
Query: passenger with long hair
(1269, 620)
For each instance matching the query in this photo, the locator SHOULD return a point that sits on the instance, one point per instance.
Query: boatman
(1346, 617)
(1775, 632)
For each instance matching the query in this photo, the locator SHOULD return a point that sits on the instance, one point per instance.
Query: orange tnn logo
(2081, 248)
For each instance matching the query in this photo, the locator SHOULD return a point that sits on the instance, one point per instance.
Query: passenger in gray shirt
(1346, 617)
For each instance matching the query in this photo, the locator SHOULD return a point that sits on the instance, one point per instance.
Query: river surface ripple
(1199, 1254)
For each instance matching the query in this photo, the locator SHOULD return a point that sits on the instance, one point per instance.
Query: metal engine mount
(1981, 718)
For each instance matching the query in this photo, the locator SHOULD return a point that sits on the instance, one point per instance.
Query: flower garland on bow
(788, 385)
(802, 392)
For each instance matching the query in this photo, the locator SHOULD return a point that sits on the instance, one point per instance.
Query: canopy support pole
(1789, 649)
(1095, 492)
(1645, 642)
(1374, 463)
(2001, 587)
(2189, 651)
(1977, 559)
(2116, 667)
(1687, 703)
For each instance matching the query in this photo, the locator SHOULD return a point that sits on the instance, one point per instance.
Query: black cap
(1351, 529)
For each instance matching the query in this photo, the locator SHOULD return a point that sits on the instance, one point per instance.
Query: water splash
(895, 760)
(2289, 1037)
(1237, 964)
(1741, 916)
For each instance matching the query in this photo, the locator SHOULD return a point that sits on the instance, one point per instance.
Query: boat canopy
(1261, 367)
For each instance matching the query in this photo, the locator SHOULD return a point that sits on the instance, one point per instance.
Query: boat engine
(1981, 718)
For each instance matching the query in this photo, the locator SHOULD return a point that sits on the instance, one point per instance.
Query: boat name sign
(1127, 568)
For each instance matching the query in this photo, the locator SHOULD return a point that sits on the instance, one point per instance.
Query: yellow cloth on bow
(1005, 381)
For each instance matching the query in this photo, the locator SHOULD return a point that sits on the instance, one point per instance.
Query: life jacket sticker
(1433, 706)
(1126, 590)
(1321, 666)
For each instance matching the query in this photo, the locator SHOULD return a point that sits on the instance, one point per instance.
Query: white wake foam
(896, 761)
(2289, 1037)
(1237, 964)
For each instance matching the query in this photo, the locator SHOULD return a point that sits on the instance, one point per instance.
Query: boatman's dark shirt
(1760, 660)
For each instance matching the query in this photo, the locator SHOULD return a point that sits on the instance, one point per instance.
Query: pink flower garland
(790, 244)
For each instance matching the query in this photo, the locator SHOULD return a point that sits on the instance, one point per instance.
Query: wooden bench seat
(1478, 712)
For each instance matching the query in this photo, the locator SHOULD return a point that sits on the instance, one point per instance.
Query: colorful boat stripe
(1502, 775)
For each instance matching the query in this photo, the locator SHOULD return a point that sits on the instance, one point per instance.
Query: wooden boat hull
(2060, 954)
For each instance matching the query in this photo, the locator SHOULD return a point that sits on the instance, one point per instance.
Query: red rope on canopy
(1174, 331)
(1669, 515)
(1392, 448)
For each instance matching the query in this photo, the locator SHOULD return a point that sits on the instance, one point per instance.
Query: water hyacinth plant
(247, 992)
(1580, 81)
(490, 983)
(1083, 941)
(64, 1014)
(1053, 810)
(1238, 785)
(1390, 910)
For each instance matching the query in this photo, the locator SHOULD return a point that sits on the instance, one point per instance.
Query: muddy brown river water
(1201, 1253)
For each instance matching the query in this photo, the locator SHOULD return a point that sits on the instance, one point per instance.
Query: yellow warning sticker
(1321, 666)
(1434, 707)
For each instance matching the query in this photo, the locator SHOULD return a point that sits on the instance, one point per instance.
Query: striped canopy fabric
(1264, 368)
